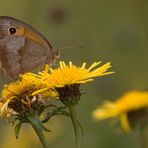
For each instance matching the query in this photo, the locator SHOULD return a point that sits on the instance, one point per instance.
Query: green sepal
(17, 129)
(45, 129)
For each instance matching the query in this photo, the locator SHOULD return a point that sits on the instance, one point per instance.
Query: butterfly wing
(22, 48)
(33, 56)
(9, 56)
(19, 55)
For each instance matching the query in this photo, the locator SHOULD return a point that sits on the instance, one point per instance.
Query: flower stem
(143, 138)
(75, 124)
(34, 121)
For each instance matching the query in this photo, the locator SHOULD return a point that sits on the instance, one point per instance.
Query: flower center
(25, 102)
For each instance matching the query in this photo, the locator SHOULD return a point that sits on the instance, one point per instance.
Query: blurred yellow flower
(129, 103)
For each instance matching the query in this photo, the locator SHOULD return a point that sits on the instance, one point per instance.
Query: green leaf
(17, 129)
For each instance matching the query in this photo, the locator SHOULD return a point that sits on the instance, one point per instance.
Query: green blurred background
(115, 31)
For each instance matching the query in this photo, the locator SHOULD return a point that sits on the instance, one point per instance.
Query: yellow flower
(18, 97)
(71, 74)
(129, 106)
(66, 79)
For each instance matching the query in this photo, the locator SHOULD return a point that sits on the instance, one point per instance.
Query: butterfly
(23, 48)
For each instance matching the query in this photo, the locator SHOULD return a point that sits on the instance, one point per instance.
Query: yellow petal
(125, 123)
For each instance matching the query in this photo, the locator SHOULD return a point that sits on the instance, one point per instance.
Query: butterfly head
(13, 27)
(9, 28)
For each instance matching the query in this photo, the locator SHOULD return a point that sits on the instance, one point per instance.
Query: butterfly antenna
(81, 47)
(56, 53)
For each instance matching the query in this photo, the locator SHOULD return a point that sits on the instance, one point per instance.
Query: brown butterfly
(22, 48)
